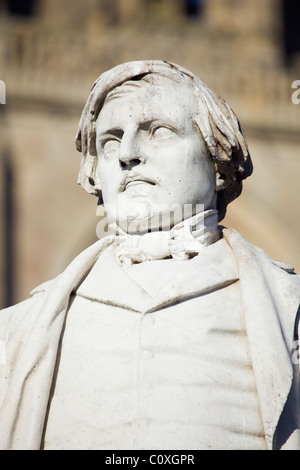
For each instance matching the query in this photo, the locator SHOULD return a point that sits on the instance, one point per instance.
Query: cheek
(197, 173)
(102, 173)
(193, 161)
(199, 161)
(108, 181)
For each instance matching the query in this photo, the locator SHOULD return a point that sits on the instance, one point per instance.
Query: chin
(134, 216)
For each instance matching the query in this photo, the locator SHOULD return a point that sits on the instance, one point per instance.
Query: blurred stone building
(51, 52)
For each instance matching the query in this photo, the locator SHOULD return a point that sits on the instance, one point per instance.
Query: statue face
(151, 157)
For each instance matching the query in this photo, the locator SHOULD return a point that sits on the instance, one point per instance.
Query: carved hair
(217, 123)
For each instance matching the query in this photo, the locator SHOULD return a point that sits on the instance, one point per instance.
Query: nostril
(134, 162)
(130, 163)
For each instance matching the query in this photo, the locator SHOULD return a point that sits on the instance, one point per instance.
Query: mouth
(134, 181)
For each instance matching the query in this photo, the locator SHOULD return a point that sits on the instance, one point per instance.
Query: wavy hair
(217, 123)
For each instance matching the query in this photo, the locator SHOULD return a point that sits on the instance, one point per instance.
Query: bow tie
(183, 241)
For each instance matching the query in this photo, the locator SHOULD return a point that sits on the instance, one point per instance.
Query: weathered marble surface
(173, 332)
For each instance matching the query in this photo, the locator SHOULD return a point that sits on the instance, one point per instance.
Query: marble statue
(172, 332)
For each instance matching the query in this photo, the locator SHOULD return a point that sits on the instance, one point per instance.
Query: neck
(202, 227)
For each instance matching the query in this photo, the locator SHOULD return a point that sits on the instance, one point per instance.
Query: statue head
(153, 134)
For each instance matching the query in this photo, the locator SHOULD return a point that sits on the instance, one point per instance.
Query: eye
(110, 146)
(162, 132)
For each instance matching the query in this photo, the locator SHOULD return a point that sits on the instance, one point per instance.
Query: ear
(221, 181)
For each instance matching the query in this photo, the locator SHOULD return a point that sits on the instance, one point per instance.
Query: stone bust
(174, 332)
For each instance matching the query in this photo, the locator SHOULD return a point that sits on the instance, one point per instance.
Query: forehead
(150, 98)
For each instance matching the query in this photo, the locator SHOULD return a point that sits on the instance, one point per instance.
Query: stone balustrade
(41, 65)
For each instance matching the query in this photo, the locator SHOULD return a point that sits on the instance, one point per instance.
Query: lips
(133, 180)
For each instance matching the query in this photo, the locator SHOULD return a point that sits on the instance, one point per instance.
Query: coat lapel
(212, 269)
(270, 300)
(109, 283)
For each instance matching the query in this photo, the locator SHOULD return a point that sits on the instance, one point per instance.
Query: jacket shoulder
(244, 250)
(233, 237)
(11, 316)
(43, 287)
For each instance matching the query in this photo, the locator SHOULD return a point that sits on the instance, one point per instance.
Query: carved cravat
(183, 241)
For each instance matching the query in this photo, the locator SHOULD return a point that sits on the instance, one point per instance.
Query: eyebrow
(115, 131)
(144, 125)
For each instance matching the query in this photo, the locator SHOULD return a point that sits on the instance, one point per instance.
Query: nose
(130, 152)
